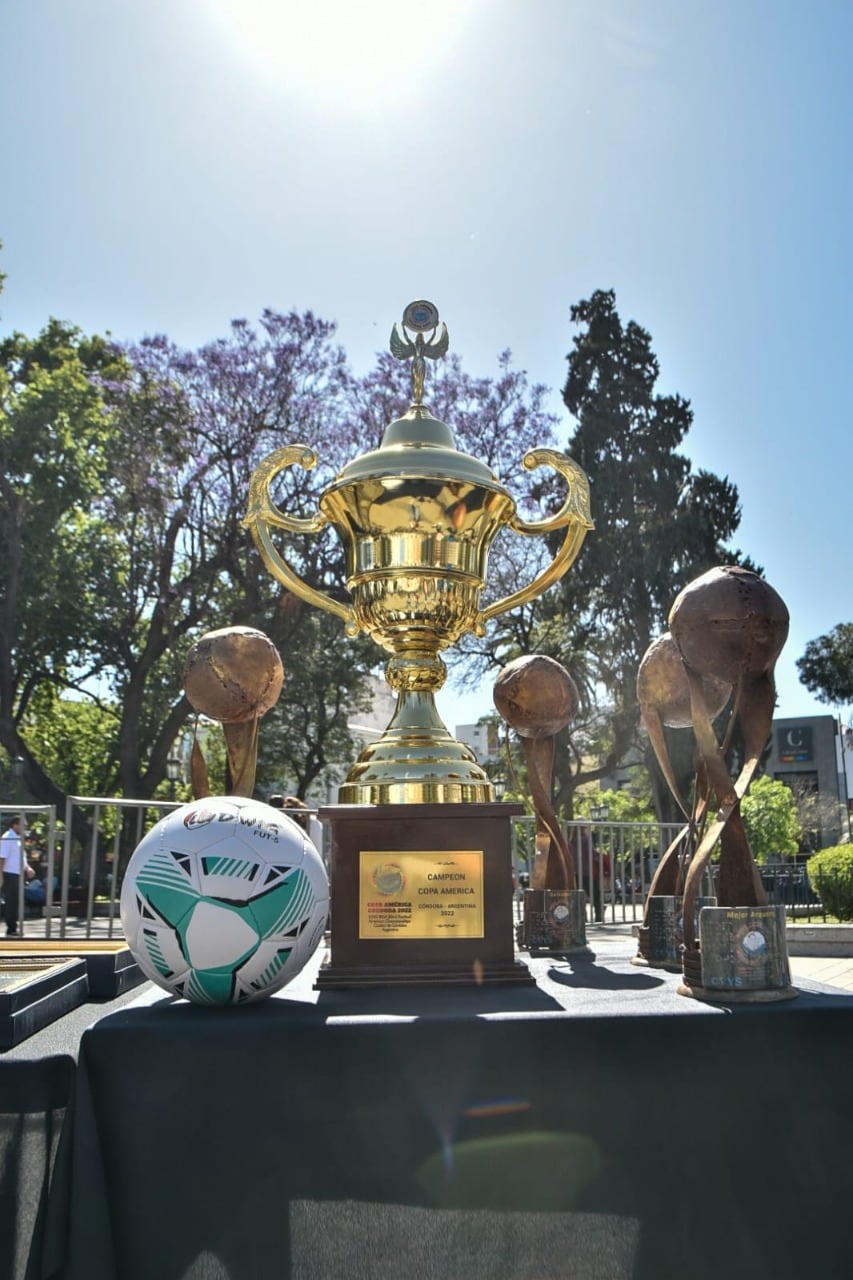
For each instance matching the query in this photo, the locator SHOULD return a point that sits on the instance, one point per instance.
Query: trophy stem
(416, 760)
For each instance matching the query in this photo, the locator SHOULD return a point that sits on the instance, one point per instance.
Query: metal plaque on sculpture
(430, 893)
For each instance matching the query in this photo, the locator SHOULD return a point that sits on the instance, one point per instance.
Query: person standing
(11, 865)
(593, 867)
(602, 882)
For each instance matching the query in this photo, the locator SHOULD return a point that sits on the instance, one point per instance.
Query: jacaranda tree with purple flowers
(165, 556)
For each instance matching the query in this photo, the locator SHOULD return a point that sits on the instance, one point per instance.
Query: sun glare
(358, 51)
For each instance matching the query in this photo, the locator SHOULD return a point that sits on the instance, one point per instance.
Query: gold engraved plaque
(431, 893)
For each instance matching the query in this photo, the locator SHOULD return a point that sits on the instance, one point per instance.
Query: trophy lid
(418, 444)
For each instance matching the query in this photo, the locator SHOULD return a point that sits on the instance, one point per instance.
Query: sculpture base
(554, 922)
(660, 941)
(742, 957)
(421, 895)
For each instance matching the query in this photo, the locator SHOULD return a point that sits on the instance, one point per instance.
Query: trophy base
(421, 896)
(333, 977)
(416, 761)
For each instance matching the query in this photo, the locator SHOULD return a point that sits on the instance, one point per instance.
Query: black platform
(35, 991)
(110, 965)
(598, 1118)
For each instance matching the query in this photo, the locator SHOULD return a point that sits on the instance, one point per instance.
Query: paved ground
(833, 971)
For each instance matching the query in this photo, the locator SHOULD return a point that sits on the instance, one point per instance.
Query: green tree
(193, 425)
(769, 813)
(623, 805)
(74, 740)
(56, 547)
(124, 480)
(658, 524)
(831, 876)
(826, 667)
(324, 684)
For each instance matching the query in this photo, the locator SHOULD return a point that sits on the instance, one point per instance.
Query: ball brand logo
(261, 829)
(203, 817)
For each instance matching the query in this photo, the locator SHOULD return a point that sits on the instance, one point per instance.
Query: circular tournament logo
(421, 316)
(388, 878)
(754, 943)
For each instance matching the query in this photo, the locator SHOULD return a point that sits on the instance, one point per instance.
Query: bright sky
(172, 164)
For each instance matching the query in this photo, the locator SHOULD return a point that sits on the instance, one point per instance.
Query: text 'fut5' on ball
(224, 901)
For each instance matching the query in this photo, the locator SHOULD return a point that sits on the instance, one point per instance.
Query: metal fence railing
(618, 859)
(791, 887)
(81, 879)
(81, 862)
(614, 864)
(92, 888)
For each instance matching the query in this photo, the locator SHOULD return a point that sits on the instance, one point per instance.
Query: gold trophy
(417, 518)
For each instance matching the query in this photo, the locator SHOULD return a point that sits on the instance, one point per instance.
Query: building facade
(481, 738)
(806, 754)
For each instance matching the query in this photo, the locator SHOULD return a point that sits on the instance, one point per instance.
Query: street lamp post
(16, 771)
(173, 773)
(846, 736)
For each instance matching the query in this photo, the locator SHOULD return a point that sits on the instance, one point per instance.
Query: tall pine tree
(658, 524)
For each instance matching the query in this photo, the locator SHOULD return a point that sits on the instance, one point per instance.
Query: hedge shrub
(831, 874)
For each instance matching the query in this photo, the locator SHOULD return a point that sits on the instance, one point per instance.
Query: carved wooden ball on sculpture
(537, 697)
(728, 623)
(731, 624)
(663, 688)
(233, 675)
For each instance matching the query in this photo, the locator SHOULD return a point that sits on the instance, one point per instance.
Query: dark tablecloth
(598, 1125)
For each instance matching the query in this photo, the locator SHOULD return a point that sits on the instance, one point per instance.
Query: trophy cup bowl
(416, 518)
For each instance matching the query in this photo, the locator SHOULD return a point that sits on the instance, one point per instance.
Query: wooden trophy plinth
(421, 895)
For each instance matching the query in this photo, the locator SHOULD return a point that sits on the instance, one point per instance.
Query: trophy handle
(574, 513)
(263, 513)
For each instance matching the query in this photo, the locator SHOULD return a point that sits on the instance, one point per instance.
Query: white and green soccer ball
(224, 901)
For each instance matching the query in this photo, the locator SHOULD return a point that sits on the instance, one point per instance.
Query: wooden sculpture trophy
(537, 698)
(233, 675)
(727, 629)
